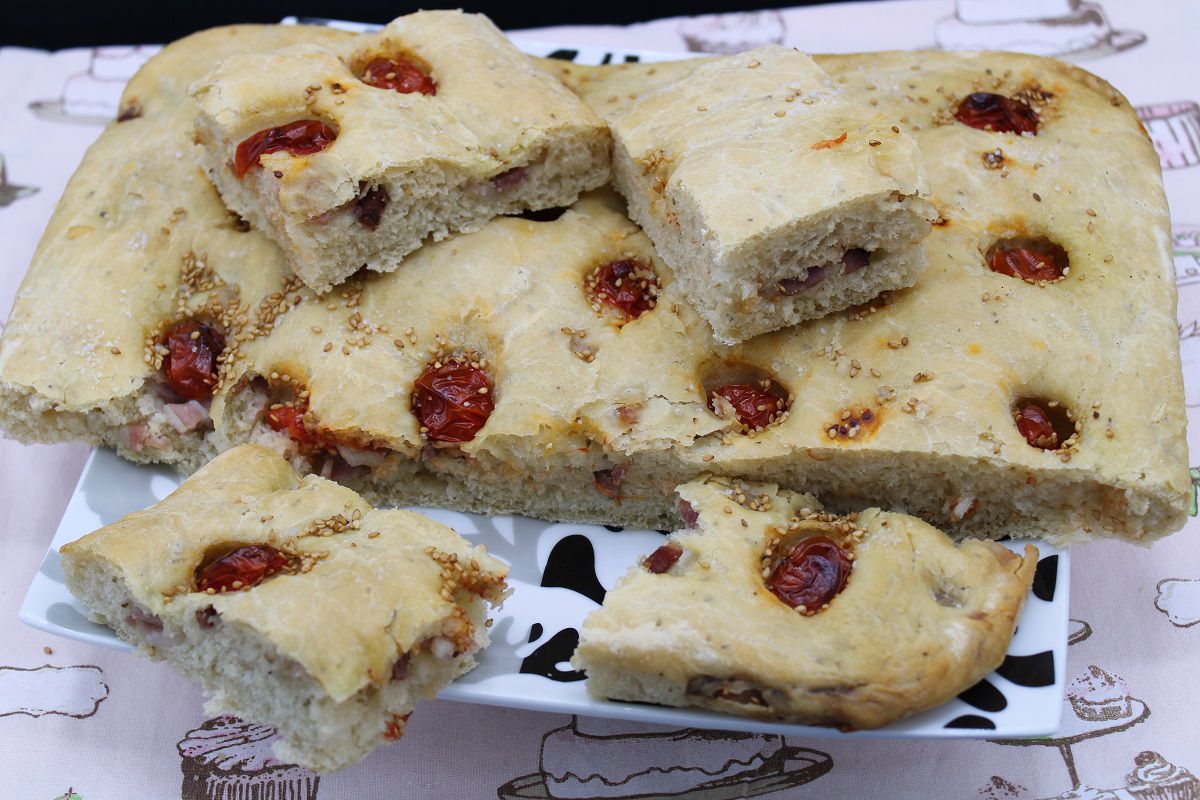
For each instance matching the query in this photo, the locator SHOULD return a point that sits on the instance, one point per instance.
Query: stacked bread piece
(774, 198)
(350, 154)
(891, 281)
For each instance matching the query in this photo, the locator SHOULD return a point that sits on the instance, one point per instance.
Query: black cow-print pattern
(572, 565)
(1036, 670)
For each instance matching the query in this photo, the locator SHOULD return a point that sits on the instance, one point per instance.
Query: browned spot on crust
(853, 424)
(827, 143)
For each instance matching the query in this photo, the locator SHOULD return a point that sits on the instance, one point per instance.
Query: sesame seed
(709, 457)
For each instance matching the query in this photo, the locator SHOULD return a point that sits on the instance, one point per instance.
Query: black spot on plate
(572, 565)
(632, 59)
(544, 661)
(1034, 670)
(614, 528)
(543, 214)
(564, 55)
(1045, 579)
(985, 697)
(971, 721)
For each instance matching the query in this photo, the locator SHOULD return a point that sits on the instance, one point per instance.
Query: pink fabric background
(112, 731)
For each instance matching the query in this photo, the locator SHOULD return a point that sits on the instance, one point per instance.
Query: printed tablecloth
(111, 725)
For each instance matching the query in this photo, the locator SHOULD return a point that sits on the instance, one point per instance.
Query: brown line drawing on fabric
(1185, 242)
(687, 764)
(732, 32)
(1073, 29)
(1097, 703)
(1077, 631)
(1152, 778)
(75, 691)
(226, 758)
(11, 192)
(92, 97)
(1174, 128)
(1179, 599)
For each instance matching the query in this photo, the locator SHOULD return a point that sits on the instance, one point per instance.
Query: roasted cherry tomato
(290, 420)
(811, 574)
(300, 138)
(453, 402)
(754, 406)
(399, 75)
(1026, 264)
(190, 365)
(240, 569)
(995, 112)
(629, 286)
(1035, 425)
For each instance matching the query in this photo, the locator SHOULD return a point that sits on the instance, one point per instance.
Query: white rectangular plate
(559, 574)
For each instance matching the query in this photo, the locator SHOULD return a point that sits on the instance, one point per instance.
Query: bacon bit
(827, 143)
(663, 558)
(506, 181)
(688, 514)
(207, 617)
(368, 208)
(629, 414)
(302, 137)
(608, 481)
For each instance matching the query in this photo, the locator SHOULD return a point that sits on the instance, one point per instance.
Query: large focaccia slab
(773, 198)
(434, 125)
(599, 415)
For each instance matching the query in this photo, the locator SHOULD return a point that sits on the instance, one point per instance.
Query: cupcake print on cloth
(1155, 778)
(1099, 695)
(227, 759)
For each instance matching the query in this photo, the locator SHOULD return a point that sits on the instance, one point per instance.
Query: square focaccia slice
(292, 601)
(773, 198)
(769, 607)
(351, 155)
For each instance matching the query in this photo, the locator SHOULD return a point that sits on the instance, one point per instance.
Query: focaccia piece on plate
(598, 402)
(771, 608)
(351, 154)
(292, 601)
(773, 198)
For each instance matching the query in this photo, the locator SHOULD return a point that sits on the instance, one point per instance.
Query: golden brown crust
(708, 631)
(366, 586)
(939, 365)
(493, 112)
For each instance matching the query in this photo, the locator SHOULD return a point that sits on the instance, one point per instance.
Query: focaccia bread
(292, 602)
(599, 399)
(772, 198)
(350, 154)
(771, 608)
